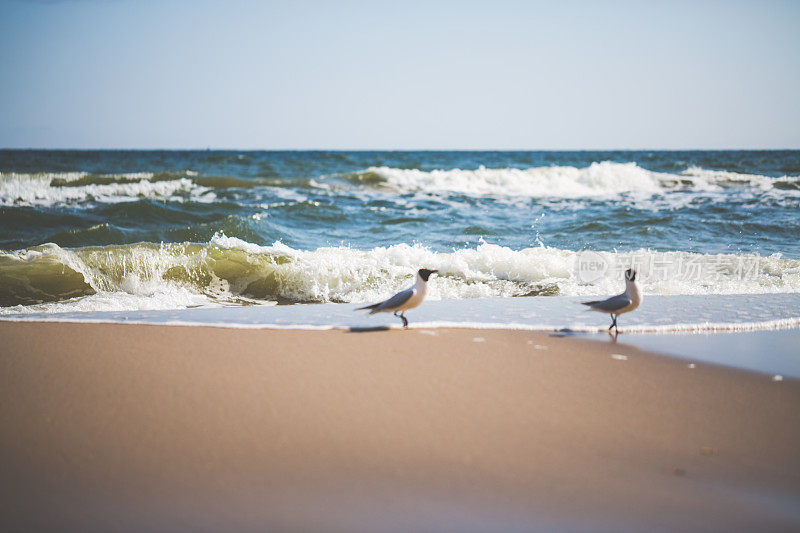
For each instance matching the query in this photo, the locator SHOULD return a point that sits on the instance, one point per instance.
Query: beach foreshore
(139, 427)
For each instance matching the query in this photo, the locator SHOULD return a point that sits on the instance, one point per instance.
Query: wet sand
(133, 427)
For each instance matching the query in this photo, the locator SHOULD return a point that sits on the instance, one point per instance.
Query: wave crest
(598, 179)
(49, 189)
(230, 271)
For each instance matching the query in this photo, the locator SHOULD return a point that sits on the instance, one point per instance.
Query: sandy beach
(216, 219)
(133, 427)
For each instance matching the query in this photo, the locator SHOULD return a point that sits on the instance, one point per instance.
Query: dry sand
(122, 427)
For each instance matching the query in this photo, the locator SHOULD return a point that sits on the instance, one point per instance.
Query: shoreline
(155, 427)
(658, 314)
(767, 329)
(673, 329)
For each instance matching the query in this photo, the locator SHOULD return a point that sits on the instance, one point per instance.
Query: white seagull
(404, 300)
(621, 303)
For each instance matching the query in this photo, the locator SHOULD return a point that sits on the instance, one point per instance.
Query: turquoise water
(134, 230)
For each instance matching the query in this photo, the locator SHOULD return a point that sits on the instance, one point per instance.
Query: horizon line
(234, 149)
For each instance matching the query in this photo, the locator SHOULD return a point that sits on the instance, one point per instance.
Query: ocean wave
(702, 178)
(598, 179)
(51, 189)
(230, 271)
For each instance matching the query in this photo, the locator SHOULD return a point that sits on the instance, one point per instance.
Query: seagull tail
(592, 303)
(370, 307)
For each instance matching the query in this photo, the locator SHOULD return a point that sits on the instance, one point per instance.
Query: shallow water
(658, 314)
(776, 353)
(753, 332)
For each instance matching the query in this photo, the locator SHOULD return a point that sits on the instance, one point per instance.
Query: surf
(231, 271)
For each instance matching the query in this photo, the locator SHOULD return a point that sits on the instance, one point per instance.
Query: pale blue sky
(399, 75)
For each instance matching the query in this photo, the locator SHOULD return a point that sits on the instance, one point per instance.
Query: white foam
(489, 270)
(715, 179)
(598, 179)
(342, 274)
(37, 189)
(168, 297)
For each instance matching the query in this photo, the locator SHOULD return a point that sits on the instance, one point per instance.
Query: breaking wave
(598, 179)
(230, 271)
(69, 188)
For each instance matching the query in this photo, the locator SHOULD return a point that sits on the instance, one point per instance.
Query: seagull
(404, 300)
(621, 303)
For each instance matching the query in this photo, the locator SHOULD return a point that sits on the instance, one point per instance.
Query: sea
(297, 238)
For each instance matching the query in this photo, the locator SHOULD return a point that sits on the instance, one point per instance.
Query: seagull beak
(434, 271)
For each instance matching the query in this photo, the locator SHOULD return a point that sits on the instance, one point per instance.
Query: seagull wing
(615, 303)
(395, 301)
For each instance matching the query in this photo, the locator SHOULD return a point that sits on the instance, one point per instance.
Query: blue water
(113, 230)
(731, 218)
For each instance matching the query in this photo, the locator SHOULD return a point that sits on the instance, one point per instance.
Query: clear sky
(399, 75)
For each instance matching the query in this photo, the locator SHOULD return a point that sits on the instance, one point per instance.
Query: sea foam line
(708, 327)
(44, 190)
(604, 178)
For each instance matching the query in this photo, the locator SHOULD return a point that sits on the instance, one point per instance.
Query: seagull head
(630, 275)
(424, 273)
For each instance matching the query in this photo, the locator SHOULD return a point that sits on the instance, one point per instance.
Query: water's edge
(658, 314)
(759, 333)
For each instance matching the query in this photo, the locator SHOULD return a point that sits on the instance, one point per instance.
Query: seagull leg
(613, 322)
(405, 320)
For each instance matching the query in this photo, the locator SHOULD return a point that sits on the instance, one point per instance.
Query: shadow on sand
(368, 329)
